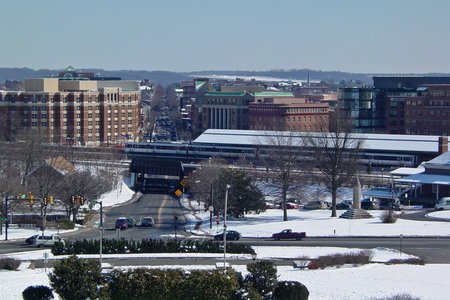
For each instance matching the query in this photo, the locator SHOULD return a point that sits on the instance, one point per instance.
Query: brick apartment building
(428, 112)
(80, 112)
(252, 107)
(289, 114)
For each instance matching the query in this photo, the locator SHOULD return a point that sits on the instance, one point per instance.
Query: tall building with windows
(394, 97)
(80, 112)
(358, 104)
(289, 115)
(428, 112)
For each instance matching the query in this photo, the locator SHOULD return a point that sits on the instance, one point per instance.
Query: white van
(444, 203)
(46, 240)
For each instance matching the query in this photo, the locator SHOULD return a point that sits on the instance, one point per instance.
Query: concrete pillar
(357, 194)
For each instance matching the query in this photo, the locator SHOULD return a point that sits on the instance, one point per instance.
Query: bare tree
(80, 183)
(335, 153)
(205, 179)
(171, 98)
(280, 151)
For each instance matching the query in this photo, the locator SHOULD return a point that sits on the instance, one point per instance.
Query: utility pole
(211, 208)
(101, 232)
(225, 229)
(6, 218)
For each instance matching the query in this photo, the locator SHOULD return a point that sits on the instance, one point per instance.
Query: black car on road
(231, 235)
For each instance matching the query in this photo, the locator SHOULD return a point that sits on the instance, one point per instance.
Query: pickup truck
(46, 240)
(288, 234)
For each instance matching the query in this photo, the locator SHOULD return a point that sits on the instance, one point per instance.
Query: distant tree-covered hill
(166, 77)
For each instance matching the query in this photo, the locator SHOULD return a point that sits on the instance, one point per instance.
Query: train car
(388, 159)
(198, 151)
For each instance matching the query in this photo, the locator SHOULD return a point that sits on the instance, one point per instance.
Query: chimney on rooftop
(443, 144)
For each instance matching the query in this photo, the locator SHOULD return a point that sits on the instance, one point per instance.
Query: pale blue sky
(371, 36)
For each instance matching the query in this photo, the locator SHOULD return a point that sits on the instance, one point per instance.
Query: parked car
(121, 223)
(368, 204)
(231, 235)
(389, 204)
(288, 234)
(345, 204)
(131, 222)
(291, 205)
(444, 203)
(31, 240)
(44, 241)
(147, 222)
(317, 205)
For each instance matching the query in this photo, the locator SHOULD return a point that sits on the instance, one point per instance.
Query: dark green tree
(290, 290)
(243, 195)
(37, 292)
(262, 275)
(76, 278)
(142, 283)
(210, 284)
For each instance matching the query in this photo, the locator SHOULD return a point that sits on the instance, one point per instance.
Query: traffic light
(73, 199)
(44, 201)
(51, 200)
(81, 200)
(30, 196)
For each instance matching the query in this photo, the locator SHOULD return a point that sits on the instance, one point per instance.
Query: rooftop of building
(386, 142)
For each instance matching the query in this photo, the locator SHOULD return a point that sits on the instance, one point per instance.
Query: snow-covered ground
(365, 282)
(319, 223)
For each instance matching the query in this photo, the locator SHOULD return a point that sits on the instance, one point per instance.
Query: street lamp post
(6, 218)
(225, 229)
(101, 231)
(211, 208)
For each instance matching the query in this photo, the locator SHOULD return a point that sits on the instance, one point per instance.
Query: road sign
(211, 208)
(183, 182)
(178, 193)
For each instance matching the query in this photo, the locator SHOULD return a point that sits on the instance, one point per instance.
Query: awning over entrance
(424, 178)
(383, 193)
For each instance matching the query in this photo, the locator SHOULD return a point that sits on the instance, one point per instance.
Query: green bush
(66, 224)
(210, 284)
(262, 275)
(143, 283)
(76, 278)
(146, 246)
(9, 263)
(37, 292)
(339, 259)
(159, 284)
(398, 297)
(290, 290)
(409, 261)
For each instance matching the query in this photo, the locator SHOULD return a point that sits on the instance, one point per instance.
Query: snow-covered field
(365, 282)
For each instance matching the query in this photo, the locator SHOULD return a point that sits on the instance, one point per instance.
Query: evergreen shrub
(290, 290)
(37, 292)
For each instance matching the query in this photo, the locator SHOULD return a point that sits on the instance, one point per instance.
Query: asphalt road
(162, 208)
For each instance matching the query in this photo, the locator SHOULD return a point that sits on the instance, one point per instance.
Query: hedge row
(146, 246)
(79, 279)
